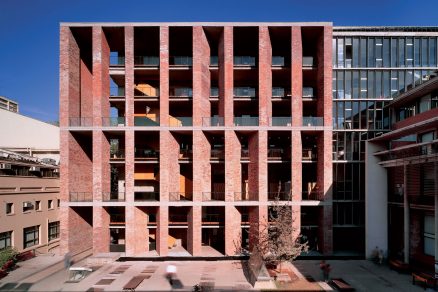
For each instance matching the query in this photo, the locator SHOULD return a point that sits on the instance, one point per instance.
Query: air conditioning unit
(35, 168)
(27, 205)
(56, 170)
(5, 166)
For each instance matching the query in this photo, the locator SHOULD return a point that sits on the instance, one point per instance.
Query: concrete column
(233, 169)
(162, 230)
(129, 75)
(405, 213)
(265, 76)
(226, 76)
(194, 232)
(164, 75)
(297, 77)
(101, 233)
(201, 76)
(201, 165)
(233, 230)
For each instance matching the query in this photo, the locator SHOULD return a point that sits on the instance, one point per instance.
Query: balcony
(214, 92)
(313, 196)
(313, 121)
(113, 197)
(180, 61)
(117, 61)
(217, 154)
(308, 92)
(244, 61)
(275, 154)
(146, 154)
(213, 122)
(309, 154)
(281, 121)
(279, 93)
(246, 121)
(180, 121)
(244, 154)
(113, 122)
(180, 93)
(410, 151)
(212, 219)
(213, 196)
(185, 154)
(117, 92)
(81, 122)
(308, 62)
(280, 196)
(145, 91)
(244, 196)
(180, 196)
(117, 154)
(244, 93)
(146, 196)
(214, 61)
(277, 61)
(81, 196)
(145, 122)
(146, 61)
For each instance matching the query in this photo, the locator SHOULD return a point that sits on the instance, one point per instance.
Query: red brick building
(178, 135)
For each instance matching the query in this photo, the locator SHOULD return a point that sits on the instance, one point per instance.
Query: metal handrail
(117, 61)
(246, 121)
(277, 61)
(81, 196)
(213, 196)
(117, 91)
(244, 61)
(180, 61)
(152, 61)
(146, 153)
(180, 196)
(217, 154)
(281, 121)
(145, 121)
(244, 91)
(313, 121)
(113, 122)
(176, 92)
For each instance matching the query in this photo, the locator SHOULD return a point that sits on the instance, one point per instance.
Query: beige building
(7, 104)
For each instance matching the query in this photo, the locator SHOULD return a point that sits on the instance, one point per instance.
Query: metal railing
(245, 196)
(278, 92)
(281, 196)
(176, 92)
(244, 61)
(309, 154)
(145, 121)
(244, 154)
(117, 61)
(180, 61)
(424, 149)
(214, 92)
(81, 122)
(146, 196)
(117, 154)
(214, 61)
(148, 61)
(246, 121)
(275, 153)
(313, 196)
(146, 153)
(113, 122)
(117, 91)
(213, 122)
(248, 92)
(113, 197)
(213, 196)
(277, 61)
(81, 196)
(177, 218)
(313, 121)
(212, 218)
(281, 121)
(180, 121)
(217, 154)
(308, 92)
(180, 196)
(186, 154)
(308, 61)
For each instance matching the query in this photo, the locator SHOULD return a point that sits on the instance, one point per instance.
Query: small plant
(8, 258)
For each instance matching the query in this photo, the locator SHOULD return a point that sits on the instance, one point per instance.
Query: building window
(31, 236)
(9, 208)
(429, 235)
(5, 239)
(58, 202)
(50, 204)
(27, 206)
(53, 230)
(38, 205)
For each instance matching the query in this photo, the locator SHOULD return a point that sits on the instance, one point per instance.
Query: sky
(29, 30)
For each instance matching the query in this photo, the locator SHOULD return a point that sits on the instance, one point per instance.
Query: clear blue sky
(29, 30)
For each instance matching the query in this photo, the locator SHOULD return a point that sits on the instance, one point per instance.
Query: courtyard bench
(341, 285)
(134, 282)
(398, 266)
(427, 280)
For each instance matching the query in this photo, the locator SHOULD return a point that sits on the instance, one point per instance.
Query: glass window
(401, 52)
(409, 80)
(416, 52)
(424, 104)
(38, 205)
(432, 52)
(27, 206)
(417, 77)
(348, 84)
(50, 204)
(394, 52)
(409, 52)
(355, 52)
(363, 52)
(371, 84)
(401, 81)
(386, 54)
(434, 101)
(340, 53)
(394, 83)
(355, 84)
(386, 84)
(363, 84)
(340, 84)
(340, 115)
(334, 52)
(53, 230)
(9, 208)
(379, 45)
(5, 239)
(424, 51)
(379, 84)
(58, 203)
(371, 57)
(334, 89)
(31, 236)
(429, 235)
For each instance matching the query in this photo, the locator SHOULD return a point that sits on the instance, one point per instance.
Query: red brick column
(162, 230)
(324, 77)
(296, 179)
(164, 75)
(233, 230)
(77, 234)
(226, 73)
(233, 169)
(258, 217)
(194, 231)
(171, 150)
(201, 165)
(201, 76)
(129, 75)
(139, 237)
(165, 167)
(265, 76)
(258, 166)
(297, 77)
(101, 232)
(86, 100)
(101, 167)
(130, 230)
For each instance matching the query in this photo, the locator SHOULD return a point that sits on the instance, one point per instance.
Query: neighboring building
(29, 195)
(371, 66)
(8, 104)
(402, 171)
(181, 134)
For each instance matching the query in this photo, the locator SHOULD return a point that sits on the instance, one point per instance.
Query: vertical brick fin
(258, 217)
(233, 230)
(101, 234)
(253, 166)
(226, 73)
(201, 76)
(76, 229)
(165, 168)
(164, 75)
(162, 230)
(194, 231)
(101, 166)
(297, 77)
(201, 165)
(129, 165)
(324, 76)
(296, 164)
(296, 222)
(129, 75)
(86, 99)
(233, 172)
(69, 77)
(263, 166)
(265, 76)
(172, 152)
(136, 232)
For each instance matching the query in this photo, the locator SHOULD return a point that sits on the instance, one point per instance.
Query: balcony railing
(414, 150)
(313, 121)
(244, 154)
(146, 92)
(113, 197)
(146, 196)
(244, 196)
(212, 218)
(218, 154)
(309, 154)
(117, 154)
(113, 122)
(180, 196)
(214, 92)
(313, 196)
(145, 122)
(81, 197)
(147, 61)
(213, 122)
(180, 61)
(214, 61)
(141, 153)
(277, 61)
(185, 154)
(180, 121)
(246, 121)
(81, 122)
(308, 61)
(213, 196)
(308, 92)
(244, 61)
(246, 92)
(281, 121)
(275, 153)
(117, 219)
(281, 196)
(117, 91)
(117, 61)
(180, 92)
(280, 92)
